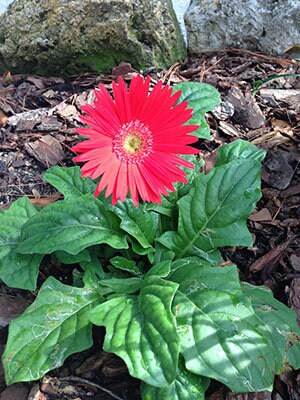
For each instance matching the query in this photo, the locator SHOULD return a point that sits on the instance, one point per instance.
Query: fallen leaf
(289, 96)
(45, 201)
(37, 81)
(3, 118)
(46, 150)
(246, 110)
(209, 160)
(229, 129)
(122, 69)
(290, 191)
(270, 259)
(262, 215)
(66, 110)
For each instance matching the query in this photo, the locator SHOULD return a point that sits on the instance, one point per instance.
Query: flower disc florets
(133, 143)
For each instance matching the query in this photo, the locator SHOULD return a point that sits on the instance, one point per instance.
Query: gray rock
(71, 36)
(180, 7)
(4, 4)
(267, 25)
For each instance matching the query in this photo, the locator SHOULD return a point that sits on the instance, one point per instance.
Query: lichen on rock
(67, 37)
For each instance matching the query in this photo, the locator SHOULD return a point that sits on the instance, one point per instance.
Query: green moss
(105, 62)
(96, 62)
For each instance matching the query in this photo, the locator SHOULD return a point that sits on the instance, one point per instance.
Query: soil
(260, 104)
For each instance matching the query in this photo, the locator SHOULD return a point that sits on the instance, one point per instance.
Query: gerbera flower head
(134, 140)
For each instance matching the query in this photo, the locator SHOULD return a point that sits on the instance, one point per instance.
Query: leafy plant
(171, 310)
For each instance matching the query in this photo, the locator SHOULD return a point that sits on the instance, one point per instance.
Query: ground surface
(38, 118)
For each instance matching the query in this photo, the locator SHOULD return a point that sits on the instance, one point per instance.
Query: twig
(92, 384)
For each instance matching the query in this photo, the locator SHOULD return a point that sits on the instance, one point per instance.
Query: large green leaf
(239, 149)
(53, 327)
(124, 264)
(69, 182)
(214, 213)
(187, 386)
(141, 330)
(67, 258)
(220, 334)
(277, 318)
(122, 285)
(202, 97)
(137, 222)
(161, 269)
(71, 225)
(17, 270)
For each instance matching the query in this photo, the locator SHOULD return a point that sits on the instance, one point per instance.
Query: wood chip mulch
(260, 104)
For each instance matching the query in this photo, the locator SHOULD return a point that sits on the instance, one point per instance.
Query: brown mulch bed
(38, 119)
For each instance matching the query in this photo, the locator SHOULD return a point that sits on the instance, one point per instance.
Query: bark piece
(11, 308)
(246, 110)
(46, 150)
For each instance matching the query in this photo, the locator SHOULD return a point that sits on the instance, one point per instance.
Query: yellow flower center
(132, 143)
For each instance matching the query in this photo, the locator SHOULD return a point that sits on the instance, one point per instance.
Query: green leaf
(277, 318)
(17, 270)
(66, 258)
(53, 327)
(162, 254)
(197, 268)
(126, 265)
(214, 213)
(94, 264)
(202, 97)
(141, 330)
(71, 225)
(122, 285)
(239, 149)
(67, 180)
(161, 269)
(187, 386)
(137, 222)
(293, 356)
(220, 335)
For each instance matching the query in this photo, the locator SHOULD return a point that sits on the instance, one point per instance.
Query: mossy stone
(65, 38)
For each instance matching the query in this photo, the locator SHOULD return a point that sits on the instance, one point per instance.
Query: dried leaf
(271, 258)
(246, 110)
(3, 118)
(262, 215)
(47, 150)
(45, 201)
(123, 68)
(66, 110)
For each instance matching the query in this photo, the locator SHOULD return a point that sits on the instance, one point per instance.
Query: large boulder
(67, 37)
(267, 25)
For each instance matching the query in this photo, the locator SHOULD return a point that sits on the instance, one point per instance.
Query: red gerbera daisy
(134, 139)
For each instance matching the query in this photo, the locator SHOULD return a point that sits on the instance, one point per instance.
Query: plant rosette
(145, 242)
